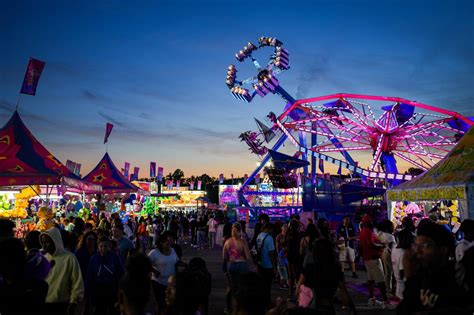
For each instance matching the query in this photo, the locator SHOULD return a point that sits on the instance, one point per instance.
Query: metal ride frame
(348, 123)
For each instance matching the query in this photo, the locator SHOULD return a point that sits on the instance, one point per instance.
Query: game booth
(118, 193)
(32, 180)
(444, 192)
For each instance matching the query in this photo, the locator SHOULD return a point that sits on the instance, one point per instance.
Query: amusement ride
(380, 131)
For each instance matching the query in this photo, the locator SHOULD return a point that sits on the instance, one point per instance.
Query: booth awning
(25, 161)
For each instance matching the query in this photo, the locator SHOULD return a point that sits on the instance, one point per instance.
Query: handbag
(305, 296)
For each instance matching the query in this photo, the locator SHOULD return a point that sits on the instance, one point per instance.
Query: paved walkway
(213, 258)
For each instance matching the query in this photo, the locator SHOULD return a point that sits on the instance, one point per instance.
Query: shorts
(374, 270)
(347, 255)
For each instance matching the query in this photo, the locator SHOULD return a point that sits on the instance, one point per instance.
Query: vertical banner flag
(178, 183)
(299, 179)
(257, 179)
(108, 131)
(221, 178)
(135, 173)
(126, 169)
(191, 186)
(339, 170)
(152, 169)
(321, 165)
(77, 169)
(160, 173)
(69, 165)
(32, 76)
(199, 185)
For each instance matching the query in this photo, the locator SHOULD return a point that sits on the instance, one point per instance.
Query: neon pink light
(343, 149)
(378, 152)
(377, 98)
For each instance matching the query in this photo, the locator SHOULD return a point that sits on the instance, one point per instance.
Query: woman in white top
(405, 240)
(163, 260)
(385, 235)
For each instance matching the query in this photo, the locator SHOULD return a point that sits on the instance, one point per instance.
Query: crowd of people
(113, 265)
(417, 269)
(104, 265)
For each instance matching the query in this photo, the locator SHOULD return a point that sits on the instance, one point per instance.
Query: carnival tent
(110, 178)
(451, 179)
(25, 161)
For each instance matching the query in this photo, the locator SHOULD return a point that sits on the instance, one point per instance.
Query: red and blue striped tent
(25, 161)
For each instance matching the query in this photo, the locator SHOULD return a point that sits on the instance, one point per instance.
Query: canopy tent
(109, 177)
(451, 179)
(25, 161)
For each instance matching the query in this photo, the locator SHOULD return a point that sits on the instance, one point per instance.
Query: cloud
(111, 119)
(209, 133)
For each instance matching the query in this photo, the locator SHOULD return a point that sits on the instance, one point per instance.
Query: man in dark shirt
(430, 285)
(346, 235)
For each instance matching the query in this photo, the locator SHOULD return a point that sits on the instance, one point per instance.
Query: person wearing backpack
(102, 279)
(266, 260)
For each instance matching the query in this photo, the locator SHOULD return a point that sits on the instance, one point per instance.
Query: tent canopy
(25, 161)
(451, 178)
(109, 177)
(456, 169)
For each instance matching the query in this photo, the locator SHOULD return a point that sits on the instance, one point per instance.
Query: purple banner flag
(191, 186)
(108, 131)
(32, 76)
(69, 165)
(221, 178)
(135, 173)
(160, 173)
(126, 169)
(339, 170)
(199, 185)
(152, 169)
(321, 165)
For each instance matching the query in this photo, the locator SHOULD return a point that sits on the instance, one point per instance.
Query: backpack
(257, 258)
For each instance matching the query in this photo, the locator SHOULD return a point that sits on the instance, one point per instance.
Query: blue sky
(156, 69)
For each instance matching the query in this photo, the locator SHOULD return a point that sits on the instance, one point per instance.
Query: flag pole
(17, 101)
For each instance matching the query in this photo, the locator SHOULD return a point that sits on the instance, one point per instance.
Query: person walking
(102, 279)
(323, 276)
(372, 250)
(236, 256)
(267, 260)
(346, 235)
(405, 241)
(212, 228)
(282, 261)
(163, 259)
(385, 235)
(85, 250)
(65, 283)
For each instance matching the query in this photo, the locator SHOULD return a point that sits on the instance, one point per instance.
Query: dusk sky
(156, 70)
